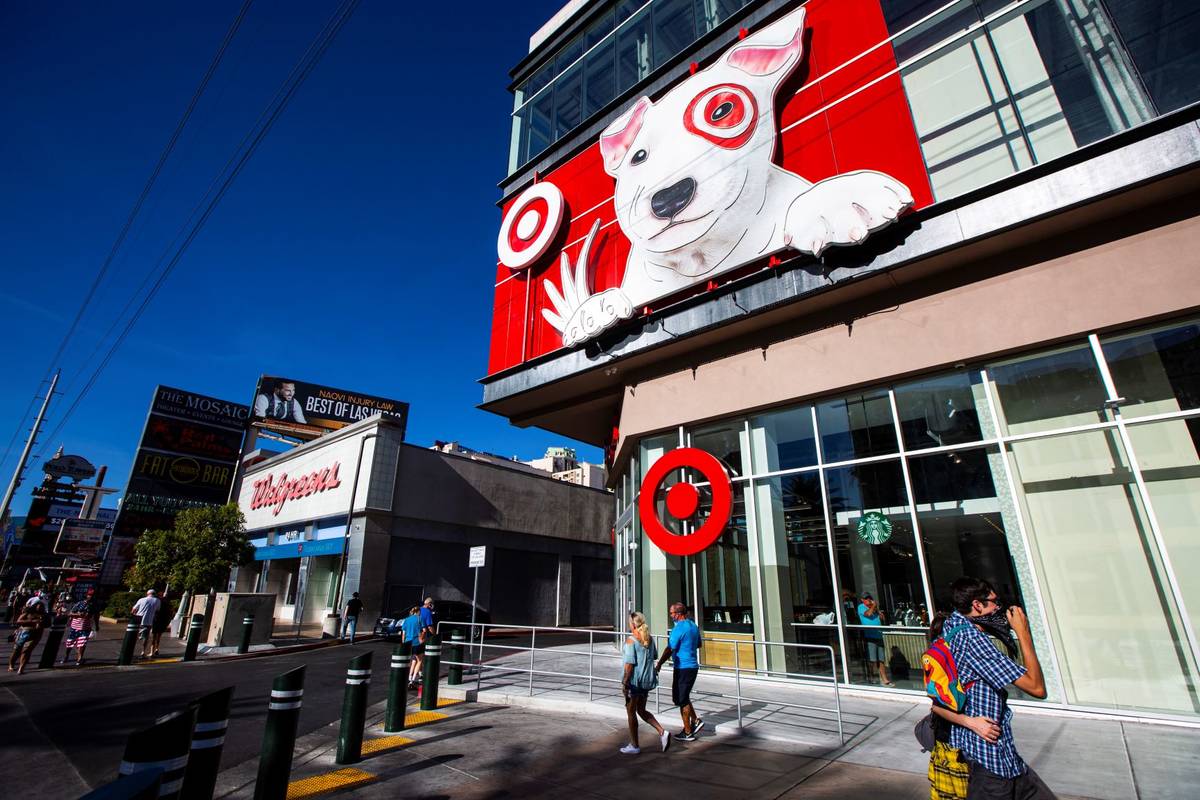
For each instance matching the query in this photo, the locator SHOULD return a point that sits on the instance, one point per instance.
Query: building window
(1161, 37)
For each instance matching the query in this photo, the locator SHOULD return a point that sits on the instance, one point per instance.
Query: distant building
(561, 462)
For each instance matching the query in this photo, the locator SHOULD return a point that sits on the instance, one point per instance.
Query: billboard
(308, 410)
(81, 537)
(187, 457)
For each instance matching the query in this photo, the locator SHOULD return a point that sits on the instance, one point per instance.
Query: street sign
(77, 468)
(81, 537)
(478, 557)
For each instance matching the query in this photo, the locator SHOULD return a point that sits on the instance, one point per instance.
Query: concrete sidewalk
(1077, 755)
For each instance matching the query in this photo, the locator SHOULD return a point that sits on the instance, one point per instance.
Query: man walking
(353, 609)
(683, 646)
(428, 618)
(146, 608)
(996, 770)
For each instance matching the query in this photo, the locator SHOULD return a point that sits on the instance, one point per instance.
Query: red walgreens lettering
(270, 491)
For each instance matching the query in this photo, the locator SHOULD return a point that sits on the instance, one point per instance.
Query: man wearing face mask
(996, 770)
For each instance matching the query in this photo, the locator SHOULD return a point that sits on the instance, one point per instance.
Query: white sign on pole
(478, 557)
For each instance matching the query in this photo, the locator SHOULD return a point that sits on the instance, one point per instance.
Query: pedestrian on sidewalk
(683, 647)
(638, 656)
(996, 770)
(81, 623)
(429, 619)
(350, 618)
(146, 608)
(412, 631)
(869, 614)
(162, 620)
(29, 626)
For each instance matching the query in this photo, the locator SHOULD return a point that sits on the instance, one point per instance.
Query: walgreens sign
(311, 483)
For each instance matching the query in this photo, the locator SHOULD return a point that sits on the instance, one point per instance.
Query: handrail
(759, 675)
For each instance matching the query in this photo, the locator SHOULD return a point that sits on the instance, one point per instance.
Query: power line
(133, 214)
(274, 109)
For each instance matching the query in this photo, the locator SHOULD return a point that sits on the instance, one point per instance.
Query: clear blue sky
(357, 249)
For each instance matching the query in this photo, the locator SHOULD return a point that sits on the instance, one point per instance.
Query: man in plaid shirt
(996, 770)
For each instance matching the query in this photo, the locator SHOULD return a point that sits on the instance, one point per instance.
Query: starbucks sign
(874, 528)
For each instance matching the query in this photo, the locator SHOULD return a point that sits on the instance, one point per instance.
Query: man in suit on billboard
(280, 404)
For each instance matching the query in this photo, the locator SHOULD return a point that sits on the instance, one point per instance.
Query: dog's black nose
(666, 203)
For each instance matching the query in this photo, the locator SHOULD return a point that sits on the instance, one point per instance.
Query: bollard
(193, 640)
(164, 745)
(397, 702)
(354, 709)
(279, 736)
(247, 631)
(433, 667)
(139, 786)
(53, 640)
(131, 632)
(456, 656)
(208, 739)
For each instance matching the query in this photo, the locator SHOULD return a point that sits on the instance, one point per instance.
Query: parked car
(447, 611)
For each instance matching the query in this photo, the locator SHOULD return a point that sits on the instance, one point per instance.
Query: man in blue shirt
(683, 646)
(996, 770)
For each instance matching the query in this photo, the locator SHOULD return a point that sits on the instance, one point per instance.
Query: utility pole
(33, 434)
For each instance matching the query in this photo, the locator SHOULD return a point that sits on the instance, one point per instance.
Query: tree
(197, 554)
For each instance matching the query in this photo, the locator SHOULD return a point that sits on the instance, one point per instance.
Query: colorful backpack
(941, 674)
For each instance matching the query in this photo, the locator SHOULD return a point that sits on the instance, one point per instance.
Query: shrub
(119, 604)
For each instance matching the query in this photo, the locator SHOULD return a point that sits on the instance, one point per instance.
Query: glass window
(1161, 36)
(653, 448)
(674, 28)
(711, 13)
(633, 50)
(1118, 637)
(568, 101)
(727, 603)
(1156, 372)
(540, 127)
(1049, 390)
(724, 441)
(791, 523)
(856, 427)
(939, 411)
(783, 440)
(963, 530)
(600, 85)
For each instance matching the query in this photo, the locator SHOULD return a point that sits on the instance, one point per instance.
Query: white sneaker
(665, 739)
(630, 750)
(696, 728)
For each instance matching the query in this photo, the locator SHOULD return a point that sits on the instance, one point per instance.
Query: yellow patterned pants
(947, 774)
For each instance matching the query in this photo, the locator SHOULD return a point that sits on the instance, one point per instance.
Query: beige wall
(1152, 273)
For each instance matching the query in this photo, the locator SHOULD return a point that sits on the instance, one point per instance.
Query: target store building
(864, 295)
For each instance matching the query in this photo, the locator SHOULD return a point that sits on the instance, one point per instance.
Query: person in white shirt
(146, 608)
(280, 404)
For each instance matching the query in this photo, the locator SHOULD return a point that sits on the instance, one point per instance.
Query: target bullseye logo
(530, 225)
(683, 500)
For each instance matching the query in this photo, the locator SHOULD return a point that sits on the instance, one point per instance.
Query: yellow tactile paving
(414, 718)
(329, 782)
(382, 744)
(443, 703)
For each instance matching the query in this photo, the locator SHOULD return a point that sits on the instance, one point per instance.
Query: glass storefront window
(856, 426)
(783, 440)
(1049, 390)
(726, 600)
(1119, 638)
(1161, 36)
(724, 441)
(652, 449)
(940, 411)
(1156, 372)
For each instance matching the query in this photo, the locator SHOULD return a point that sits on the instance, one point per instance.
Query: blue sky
(357, 248)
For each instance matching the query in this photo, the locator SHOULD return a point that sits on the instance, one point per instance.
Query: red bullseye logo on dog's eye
(530, 225)
(683, 500)
(724, 115)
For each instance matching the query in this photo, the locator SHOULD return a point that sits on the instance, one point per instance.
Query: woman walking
(638, 656)
(29, 632)
(81, 624)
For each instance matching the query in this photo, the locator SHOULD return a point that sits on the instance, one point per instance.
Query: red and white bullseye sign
(683, 500)
(530, 225)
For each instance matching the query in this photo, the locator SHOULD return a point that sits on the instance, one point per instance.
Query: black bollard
(354, 709)
(279, 736)
(247, 631)
(208, 739)
(433, 668)
(139, 786)
(193, 640)
(397, 703)
(456, 657)
(164, 745)
(53, 640)
(127, 644)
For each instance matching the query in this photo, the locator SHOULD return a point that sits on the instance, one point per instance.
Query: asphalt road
(86, 715)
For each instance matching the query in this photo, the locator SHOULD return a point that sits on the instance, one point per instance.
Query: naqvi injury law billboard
(308, 410)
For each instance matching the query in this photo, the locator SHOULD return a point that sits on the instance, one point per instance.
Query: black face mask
(996, 623)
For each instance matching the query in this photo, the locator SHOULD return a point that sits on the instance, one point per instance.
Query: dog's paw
(578, 315)
(596, 314)
(844, 209)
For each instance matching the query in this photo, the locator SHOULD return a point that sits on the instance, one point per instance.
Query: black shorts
(681, 686)
(984, 785)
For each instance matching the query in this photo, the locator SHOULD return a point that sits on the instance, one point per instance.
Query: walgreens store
(903, 290)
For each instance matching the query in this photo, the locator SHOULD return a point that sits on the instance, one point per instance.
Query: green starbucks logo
(874, 528)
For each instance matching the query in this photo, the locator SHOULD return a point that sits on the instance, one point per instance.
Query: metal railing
(753, 675)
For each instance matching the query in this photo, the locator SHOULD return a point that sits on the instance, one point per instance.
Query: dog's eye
(722, 111)
(638, 157)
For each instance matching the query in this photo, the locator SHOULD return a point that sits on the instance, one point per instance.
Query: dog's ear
(774, 50)
(617, 137)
